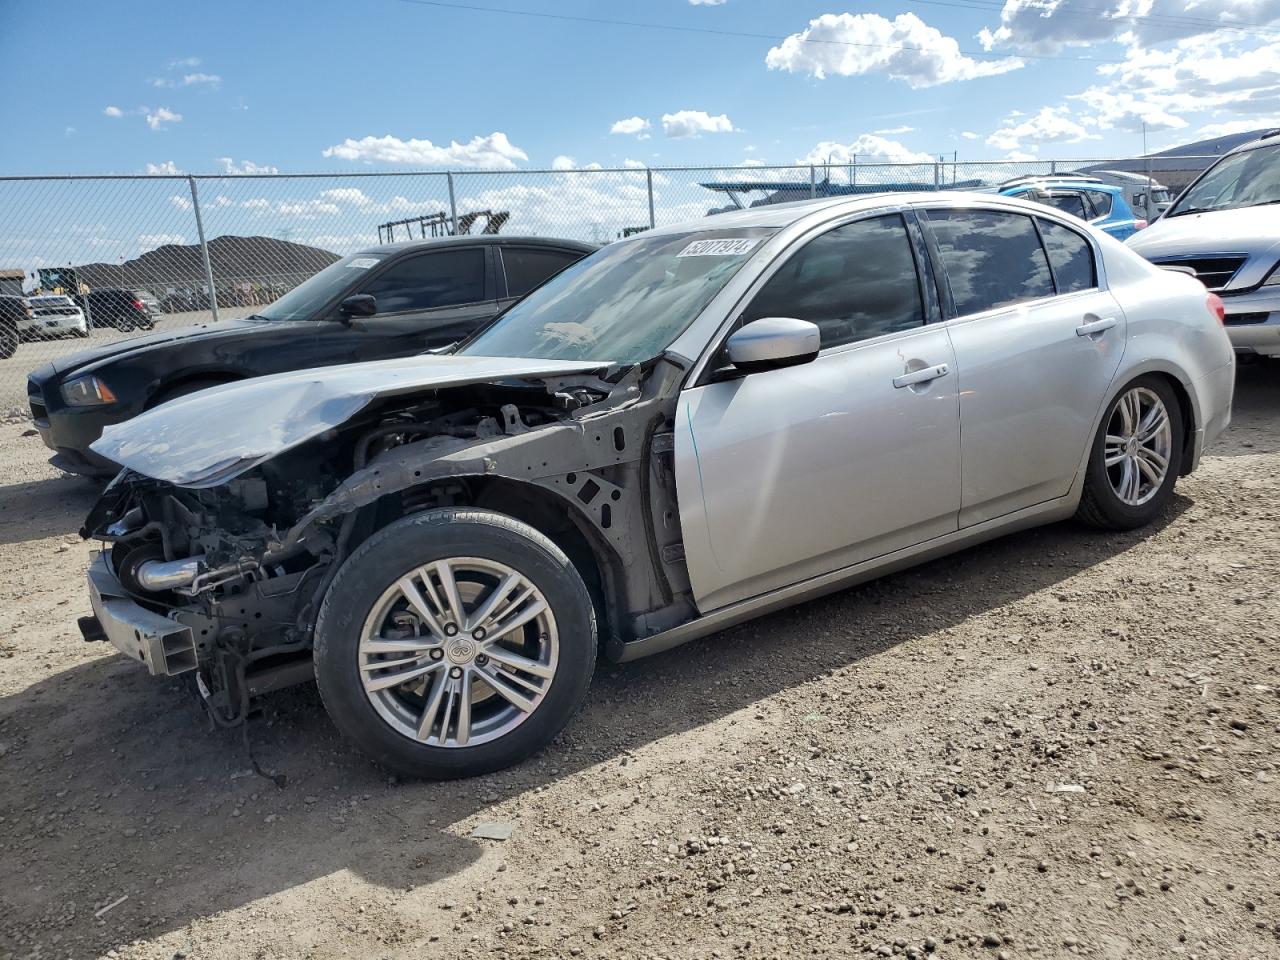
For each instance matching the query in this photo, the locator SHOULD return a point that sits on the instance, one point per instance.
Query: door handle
(925, 375)
(1094, 327)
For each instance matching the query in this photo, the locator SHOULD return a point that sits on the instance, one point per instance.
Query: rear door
(792, 473)
(525, 268)
(425, 300)
(1037, 341)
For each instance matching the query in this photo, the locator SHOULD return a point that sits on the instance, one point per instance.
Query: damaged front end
(217, 555)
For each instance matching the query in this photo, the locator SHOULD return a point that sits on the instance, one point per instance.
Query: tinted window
(854, 282)
(1070, 255)
(443, 278)
(1101, 201)
(1072, 203)
(992, 259)
(529, 267)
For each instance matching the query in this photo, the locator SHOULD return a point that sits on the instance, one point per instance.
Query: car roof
(481, 238)
(1066, 183)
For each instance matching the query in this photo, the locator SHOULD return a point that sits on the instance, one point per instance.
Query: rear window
(530, 267)
(993, 259)
(1072, 203)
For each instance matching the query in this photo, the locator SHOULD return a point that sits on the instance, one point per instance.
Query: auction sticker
(719, 248)
(362, 263)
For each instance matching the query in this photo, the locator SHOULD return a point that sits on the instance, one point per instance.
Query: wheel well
(541, 509)
(1188, 421)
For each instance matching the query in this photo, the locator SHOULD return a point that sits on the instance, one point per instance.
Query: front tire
(1134, 461)
(454, 642)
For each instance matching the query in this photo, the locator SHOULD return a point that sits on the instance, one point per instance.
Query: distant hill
(234, 259)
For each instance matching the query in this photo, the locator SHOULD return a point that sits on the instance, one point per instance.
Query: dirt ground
(1063, 743)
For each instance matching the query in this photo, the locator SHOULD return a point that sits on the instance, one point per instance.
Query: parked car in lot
(1225, 227)
(684, 430)
(1100, 204)
(1137, 188)
(387, 301)
(15, 314)
(122, 309)
(53, 316)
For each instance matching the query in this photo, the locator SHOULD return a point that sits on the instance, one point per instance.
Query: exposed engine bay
(239, 567)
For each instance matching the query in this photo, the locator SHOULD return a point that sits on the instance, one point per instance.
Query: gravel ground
(1063, 743)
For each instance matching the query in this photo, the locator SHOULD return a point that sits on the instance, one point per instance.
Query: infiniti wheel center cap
(461, 650)
(1132, 446)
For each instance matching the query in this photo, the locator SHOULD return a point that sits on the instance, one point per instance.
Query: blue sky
(389, 83)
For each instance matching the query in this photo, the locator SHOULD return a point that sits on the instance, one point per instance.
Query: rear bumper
(164, 646)
(1214, 393)
(1253, 321)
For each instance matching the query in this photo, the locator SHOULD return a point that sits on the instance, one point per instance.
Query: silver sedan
(679, 432)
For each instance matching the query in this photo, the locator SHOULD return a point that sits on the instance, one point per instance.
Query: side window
(993, 259)
(442, 278)
(1071, 256)
(1101, 201)
(1072, 203)
(529, 267)
(855, 282)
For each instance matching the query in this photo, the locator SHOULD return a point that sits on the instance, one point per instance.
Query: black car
(122, 309)
(387, 301)
(15, 312)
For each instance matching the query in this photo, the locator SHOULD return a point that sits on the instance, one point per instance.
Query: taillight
(1139, 224)
(1217, 307)
(137, 305)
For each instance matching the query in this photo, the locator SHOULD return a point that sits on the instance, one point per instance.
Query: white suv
(53, 315)
(1226, 228)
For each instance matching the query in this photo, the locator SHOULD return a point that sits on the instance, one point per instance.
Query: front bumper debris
(166, 647)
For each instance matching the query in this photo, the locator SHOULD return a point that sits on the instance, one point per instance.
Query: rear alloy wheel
(1134, 462)
(454, 642)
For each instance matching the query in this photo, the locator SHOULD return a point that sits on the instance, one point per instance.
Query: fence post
(813, 182)
(453, 204)
(648, 175)
(936, 173)
(1053, 166)
(204, 249)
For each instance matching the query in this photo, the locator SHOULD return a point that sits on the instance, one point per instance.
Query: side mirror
(772, 342)
(359, 305)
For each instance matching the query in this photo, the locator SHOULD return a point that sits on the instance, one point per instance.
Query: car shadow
(115, 784)
(50, 507)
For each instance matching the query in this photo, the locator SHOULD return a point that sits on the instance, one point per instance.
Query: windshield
(304, 300)
(1247, 179)
(626, 303)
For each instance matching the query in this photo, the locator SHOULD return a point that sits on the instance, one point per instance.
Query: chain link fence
(101, 258)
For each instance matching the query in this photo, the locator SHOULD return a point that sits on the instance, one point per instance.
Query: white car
(53, 315)
(1225, 228)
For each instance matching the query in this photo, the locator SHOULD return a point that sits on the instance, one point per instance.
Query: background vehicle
(1136, 187)
(687, 429)
(1100, 204)
(1226, 228)
(122, 309)
(15, 313)
(52, 316)
(387, 301)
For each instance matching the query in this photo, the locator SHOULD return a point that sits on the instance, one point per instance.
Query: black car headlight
(87, 391)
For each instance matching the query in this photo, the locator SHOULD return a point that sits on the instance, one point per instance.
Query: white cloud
(149, 241)
(562, 162)
(1049, 25)
(866, 148)
(970, 135)
(706, 3)
(904, 48)
(167, 168)
(185, 62)
(1227, 127)
(230, 167)
(112, 112)
(1050, 125)
(352, 195)
(256, 203)
(162, 115)
(181, 202)
(893, 131)
(222, 201)
(200, 80)
(694, 123)
(494, 151)
(633, 126)
(306, 209)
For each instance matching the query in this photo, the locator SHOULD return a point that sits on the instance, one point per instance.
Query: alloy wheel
(458, 652)
(1138, 446)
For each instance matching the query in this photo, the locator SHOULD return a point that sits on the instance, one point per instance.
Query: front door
(1037, 343)
(791, 473)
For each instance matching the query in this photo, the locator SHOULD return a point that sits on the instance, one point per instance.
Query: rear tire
(1135, 458)
(369, 617)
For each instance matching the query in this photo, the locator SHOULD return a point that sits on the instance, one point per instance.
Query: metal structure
(443, 224)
